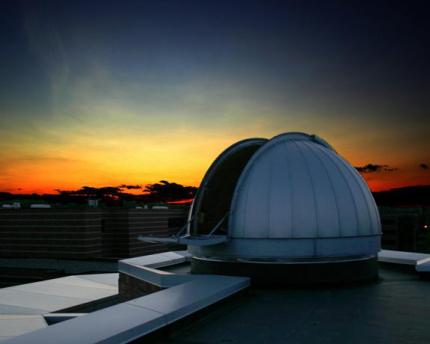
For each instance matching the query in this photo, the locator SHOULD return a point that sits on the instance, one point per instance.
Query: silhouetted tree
(160, 192)
(164, 191)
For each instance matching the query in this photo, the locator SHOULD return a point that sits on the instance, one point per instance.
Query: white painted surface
(187, 298)
(56, 294)
(421, 261)
(145, 268)
(133, 319)
(15, 325)
(297, 186)
(401, 257)
(22, 307)
(297, 190)
(423, 265)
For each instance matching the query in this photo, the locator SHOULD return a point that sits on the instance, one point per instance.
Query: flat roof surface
(180, 269)
(22, 307)
(394, 310)
(67, 265)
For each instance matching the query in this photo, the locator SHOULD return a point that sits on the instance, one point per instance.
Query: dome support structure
(192, 240)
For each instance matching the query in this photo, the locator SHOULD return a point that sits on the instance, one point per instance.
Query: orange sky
(110, 160)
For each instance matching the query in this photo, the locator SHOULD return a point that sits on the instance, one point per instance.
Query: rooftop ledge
(184, 295)
(421, 261)
(122, 323)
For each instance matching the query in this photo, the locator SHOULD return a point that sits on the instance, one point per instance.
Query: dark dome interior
(213, 199)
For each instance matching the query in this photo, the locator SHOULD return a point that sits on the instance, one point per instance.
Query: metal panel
(304, 219)
(327, 211)
(284, 249)
(281, 199)
(348, 224)
(297, 186)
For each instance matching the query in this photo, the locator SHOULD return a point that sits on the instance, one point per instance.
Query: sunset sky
(131, 92)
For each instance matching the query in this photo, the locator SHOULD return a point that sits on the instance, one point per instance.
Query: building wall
(122, 227)
(405, 229)
(50, 233)
(85, 233)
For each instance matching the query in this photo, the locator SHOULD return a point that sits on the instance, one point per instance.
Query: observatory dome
(289, 199)
(296, 186)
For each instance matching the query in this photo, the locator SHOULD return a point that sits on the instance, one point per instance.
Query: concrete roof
(394, 310)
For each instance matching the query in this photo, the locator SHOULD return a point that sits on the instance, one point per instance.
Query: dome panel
(347, 212)
(296, 186)
(253, 207)
(374, 220)
(280, 198)
(303, 200)
(327, 213)
(364, 226)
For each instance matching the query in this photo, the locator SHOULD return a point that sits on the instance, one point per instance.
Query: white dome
(291, 197)
(296, 186)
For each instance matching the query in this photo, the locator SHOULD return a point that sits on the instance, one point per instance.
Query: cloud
(371, 168)
(47, 44)
(424, 166)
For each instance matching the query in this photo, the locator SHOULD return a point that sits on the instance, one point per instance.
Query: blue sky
(87, 85)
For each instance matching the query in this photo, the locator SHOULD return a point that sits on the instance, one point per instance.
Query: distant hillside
(408, 196)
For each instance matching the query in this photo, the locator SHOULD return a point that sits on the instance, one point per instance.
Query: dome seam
(373, 214)
(336, 201)
(361, 193)
(290, 196)
(334, 162)
(269, 194)
(308, 170)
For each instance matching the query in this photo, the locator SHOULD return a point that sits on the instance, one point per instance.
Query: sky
(132, 92)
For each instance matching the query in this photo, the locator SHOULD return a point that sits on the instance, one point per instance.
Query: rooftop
(192, 308)
(393, 310)
(27, 307)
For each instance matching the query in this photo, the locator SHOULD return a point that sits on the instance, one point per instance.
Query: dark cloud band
(371, 168)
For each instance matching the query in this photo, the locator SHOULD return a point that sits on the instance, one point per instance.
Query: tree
(164, 191)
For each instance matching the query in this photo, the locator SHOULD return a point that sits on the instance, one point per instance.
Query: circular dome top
(297, 187)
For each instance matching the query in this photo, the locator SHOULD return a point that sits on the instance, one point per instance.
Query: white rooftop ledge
(145, 268)
(421, 261)
(130, 320)
(26, 307)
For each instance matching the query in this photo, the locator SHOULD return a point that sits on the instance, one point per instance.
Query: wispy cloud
(46, 43)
